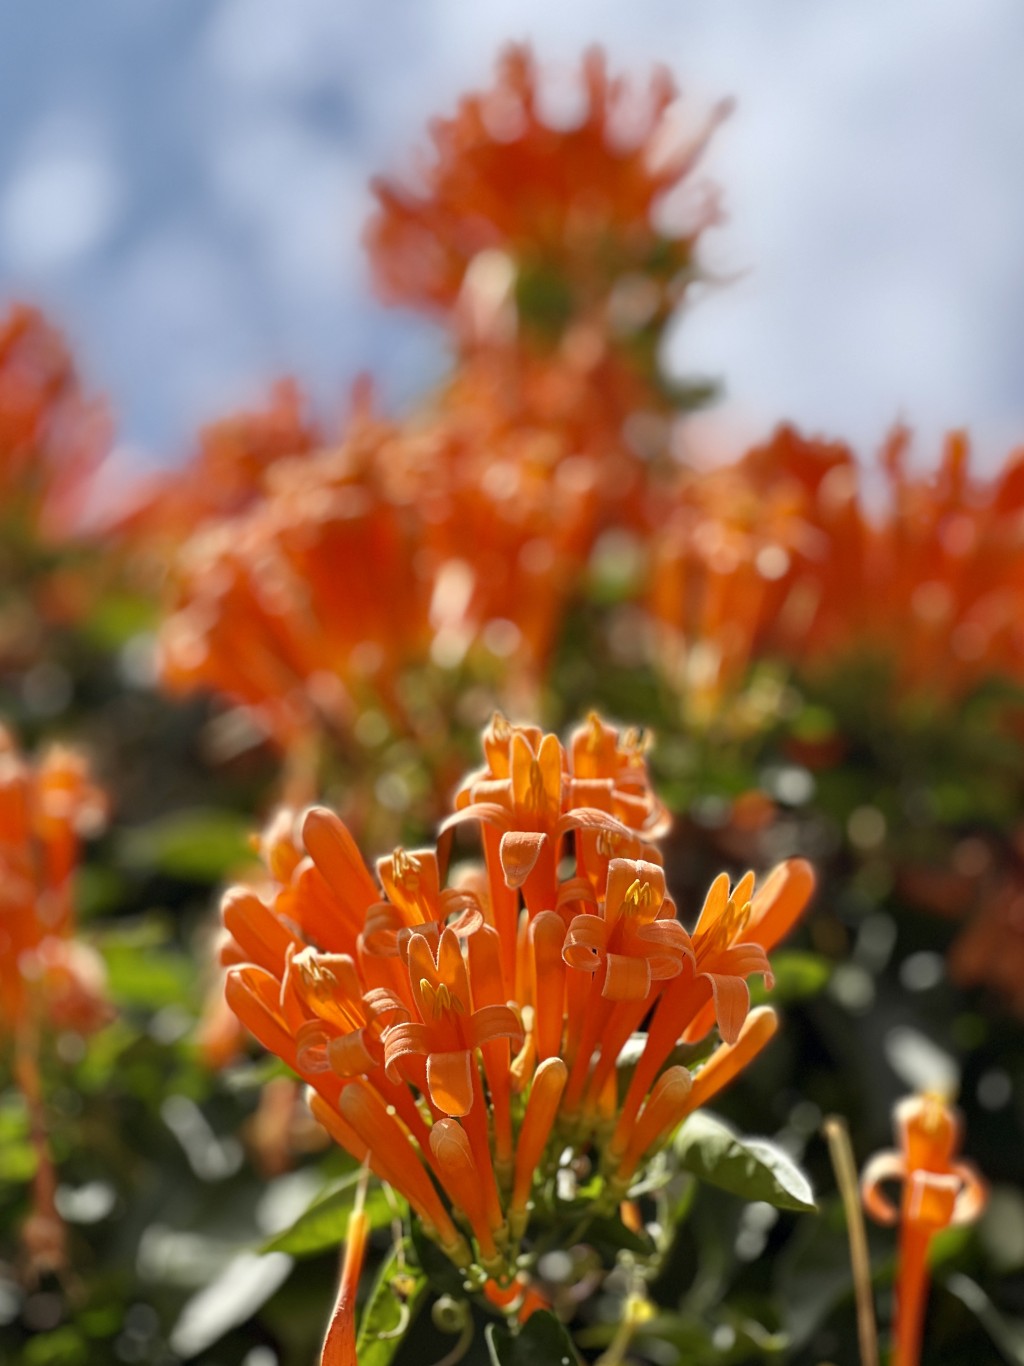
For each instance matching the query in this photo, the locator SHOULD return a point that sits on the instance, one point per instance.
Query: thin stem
(845, 1170)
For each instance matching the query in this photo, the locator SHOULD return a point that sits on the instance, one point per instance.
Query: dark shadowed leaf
(542, 1341)
(753, 1168)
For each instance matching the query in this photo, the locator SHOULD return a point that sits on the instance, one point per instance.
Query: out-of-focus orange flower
(52, 437)
(938, 1191)
(563, 213)
(789, 555)
(45, 810)
(226, 473)
(47, 978)
(274, 607)
(457, 1038)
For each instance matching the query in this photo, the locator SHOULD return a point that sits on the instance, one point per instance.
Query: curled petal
(495, 1022)
(489, 813)
(519, 851)
(585, 942)
(311, 1048)
(973, 1194)
(402, 1041)
(665, 945)
(887, 1166)
(353, 1054)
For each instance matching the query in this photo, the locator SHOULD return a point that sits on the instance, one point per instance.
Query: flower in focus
(465, 1039)
(938, 1191)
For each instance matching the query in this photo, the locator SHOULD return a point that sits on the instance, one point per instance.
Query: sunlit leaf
(324, 1224)
(542, 1341)
(394, 1302)
(753, 1168)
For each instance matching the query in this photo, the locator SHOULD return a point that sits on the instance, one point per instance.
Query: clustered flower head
(477, 523)
(461, 1030)
(585, 249)
(790, 554)
(46, 808)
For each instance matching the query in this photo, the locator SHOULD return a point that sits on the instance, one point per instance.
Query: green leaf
(324, 1224)
(143, 969)
(542, 1341)
(391, 1310)
(753, 1168)
(798, 976)
(197, 846)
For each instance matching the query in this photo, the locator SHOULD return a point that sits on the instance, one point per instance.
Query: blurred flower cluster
(513, 1027)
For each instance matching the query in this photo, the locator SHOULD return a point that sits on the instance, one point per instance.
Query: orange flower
(46, 977)
(636, 941)
(52, 437)
(780, 556)
(937, 1191)
(458, 1038)
(225, 475)
(45, 810)
(449, 1029)
(578, 236)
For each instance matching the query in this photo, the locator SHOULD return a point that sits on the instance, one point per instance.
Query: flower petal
(450, 1081)
(626, 978)
(520, 850)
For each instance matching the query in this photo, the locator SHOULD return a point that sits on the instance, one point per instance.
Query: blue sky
(183, 184)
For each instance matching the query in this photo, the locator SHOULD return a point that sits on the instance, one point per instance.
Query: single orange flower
(938, 1191)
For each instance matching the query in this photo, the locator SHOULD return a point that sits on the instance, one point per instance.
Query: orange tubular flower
(52, 437)
(459, 1038)
(226, 473)
(46, 977)
(581, 224)
(779, 557)
(937, 1192)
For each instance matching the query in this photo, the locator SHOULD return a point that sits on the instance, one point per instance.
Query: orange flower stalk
(938, 1191)
(448, 1032)
(47, 979)
(339, 1347)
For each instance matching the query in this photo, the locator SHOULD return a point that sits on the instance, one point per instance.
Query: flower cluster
(787, 555)
(463, 1033)
(45, 811)
(585, 250)
(47, 978)
(51, 436)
